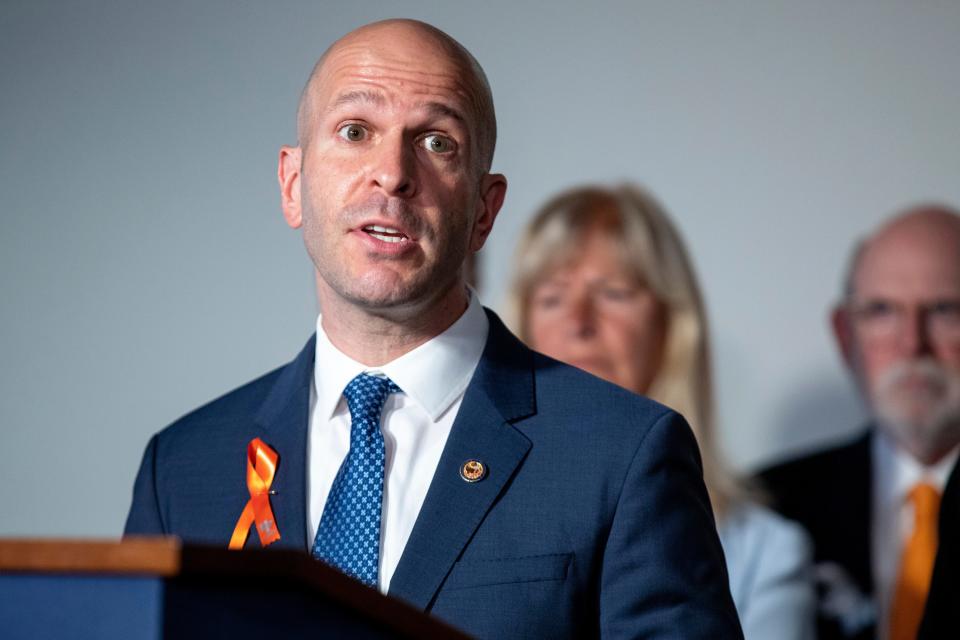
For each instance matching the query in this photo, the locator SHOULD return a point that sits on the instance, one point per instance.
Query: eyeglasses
(882, 320)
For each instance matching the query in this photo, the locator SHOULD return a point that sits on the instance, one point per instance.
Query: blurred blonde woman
(603, 282)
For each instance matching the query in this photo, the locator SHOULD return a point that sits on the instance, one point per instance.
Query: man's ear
(288, 175)
(842, 325)
(493, 189)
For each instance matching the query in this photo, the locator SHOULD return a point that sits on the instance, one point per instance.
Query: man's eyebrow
(356, 97)
(441, 109)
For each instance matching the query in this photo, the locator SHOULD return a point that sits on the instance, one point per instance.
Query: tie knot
(926, 501)
(365, 396)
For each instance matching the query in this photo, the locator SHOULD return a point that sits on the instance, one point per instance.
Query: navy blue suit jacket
(592, 521)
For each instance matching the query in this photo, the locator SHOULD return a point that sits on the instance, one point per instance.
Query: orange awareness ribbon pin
(261, 466)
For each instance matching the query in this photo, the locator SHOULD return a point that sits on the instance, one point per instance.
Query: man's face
(902, 328)
(391, 190)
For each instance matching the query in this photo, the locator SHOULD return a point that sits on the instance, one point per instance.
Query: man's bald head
(433, 44)
(934, 225)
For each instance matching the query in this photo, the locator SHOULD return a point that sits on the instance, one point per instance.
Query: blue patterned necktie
(349, 533)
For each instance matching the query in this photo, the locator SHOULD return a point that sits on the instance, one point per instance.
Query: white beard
(917, 402)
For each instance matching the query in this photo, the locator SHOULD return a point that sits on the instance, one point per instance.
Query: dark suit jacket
(829, 493)
(942, 616)
(593, 519)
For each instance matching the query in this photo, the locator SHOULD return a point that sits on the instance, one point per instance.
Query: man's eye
(352, 132)
(438, 144)
(877, 309)
(949, 309)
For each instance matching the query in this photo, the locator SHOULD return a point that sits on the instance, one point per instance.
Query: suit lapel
(500, 392)
(284, 417)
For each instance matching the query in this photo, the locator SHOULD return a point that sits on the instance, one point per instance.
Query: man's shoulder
(566, 397)
(822, 465)
(823, 488)
(565, 386)
(577, 404)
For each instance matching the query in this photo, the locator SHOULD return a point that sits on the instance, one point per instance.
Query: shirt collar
(901, 472)
(433, 375)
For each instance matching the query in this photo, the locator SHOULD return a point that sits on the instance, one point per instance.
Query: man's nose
(915, 334)
(394, 166)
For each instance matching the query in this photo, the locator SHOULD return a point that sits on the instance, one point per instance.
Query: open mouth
(385, 234)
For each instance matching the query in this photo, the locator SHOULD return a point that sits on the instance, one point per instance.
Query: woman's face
(595, 315)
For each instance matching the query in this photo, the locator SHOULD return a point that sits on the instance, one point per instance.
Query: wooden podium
(152, 588)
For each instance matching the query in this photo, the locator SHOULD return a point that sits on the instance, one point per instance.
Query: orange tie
(916, 565)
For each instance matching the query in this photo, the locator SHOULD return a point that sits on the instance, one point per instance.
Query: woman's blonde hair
(649, 246)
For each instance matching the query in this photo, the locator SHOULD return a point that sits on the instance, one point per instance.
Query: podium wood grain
(156, 556)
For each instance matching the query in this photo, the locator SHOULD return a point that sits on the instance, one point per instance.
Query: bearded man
(871, 505)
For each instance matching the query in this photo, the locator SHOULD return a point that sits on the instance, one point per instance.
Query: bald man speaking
(414, 443)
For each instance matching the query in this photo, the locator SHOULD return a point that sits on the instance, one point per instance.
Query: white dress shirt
(895, 473)
(415, 424)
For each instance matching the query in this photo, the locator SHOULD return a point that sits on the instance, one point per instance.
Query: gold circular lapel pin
(473, 471)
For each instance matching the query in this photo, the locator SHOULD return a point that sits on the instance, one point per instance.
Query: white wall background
(145, 268)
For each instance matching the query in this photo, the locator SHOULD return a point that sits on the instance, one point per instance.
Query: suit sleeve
(663, 572)
(144, 517)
